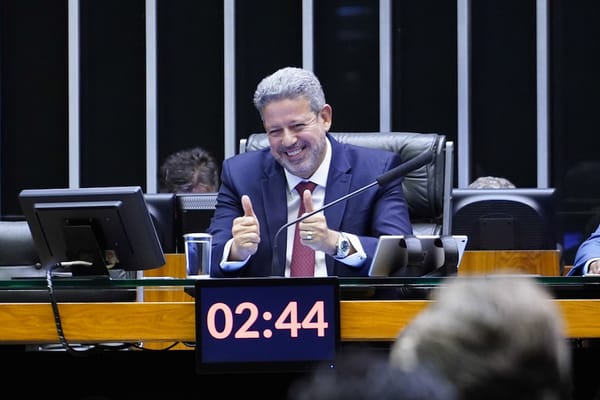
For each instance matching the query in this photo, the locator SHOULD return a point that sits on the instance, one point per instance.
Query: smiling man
(259, 192)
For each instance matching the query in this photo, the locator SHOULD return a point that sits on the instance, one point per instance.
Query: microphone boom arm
(384, 179)
(275, 259)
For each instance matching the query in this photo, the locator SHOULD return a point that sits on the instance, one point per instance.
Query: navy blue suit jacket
(374, 212)
(590, 248)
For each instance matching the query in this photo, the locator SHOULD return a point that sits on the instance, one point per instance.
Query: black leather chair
(16, 244)
(427, 189)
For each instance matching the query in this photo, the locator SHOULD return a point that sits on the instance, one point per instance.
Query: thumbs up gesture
(246, 233)
(315, 227)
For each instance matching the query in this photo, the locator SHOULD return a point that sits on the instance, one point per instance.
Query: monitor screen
(109, 227)
(193, 215)
(506, 219)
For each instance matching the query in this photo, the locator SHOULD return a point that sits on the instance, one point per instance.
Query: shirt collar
(320, 175)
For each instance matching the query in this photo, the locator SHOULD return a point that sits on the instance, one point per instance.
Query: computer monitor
(194, 213)
(162, 209)
(109, 227)
(506, 219)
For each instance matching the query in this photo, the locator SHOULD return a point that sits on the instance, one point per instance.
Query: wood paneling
(174, 268)
(175, 321)
(538, 262)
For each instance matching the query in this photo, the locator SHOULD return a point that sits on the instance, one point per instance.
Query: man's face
(296, 134)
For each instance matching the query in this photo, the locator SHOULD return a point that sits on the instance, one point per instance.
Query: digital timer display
(261, 324)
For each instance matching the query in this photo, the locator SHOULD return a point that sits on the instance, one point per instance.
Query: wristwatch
(342, 248)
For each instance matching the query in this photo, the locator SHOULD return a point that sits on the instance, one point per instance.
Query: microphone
(383, 179)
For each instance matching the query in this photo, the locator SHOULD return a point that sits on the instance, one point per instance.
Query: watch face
(343, 248)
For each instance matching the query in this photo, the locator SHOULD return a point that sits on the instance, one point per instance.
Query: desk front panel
(170, 322)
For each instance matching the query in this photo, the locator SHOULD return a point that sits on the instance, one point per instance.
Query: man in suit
(258, 191)
(587, 258)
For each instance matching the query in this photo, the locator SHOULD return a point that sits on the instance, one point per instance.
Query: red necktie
(303, 257)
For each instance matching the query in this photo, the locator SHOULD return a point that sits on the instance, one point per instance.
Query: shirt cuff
(231, 266)
(586, 266)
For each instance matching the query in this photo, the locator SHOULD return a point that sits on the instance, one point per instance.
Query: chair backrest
(427, 189)
(16, 244)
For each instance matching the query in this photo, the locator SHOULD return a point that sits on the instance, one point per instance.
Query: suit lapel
(275, 206)
(338, 185)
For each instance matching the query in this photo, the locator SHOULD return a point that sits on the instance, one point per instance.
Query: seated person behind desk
(257, 194)
(189, 171)
(491, 182)
(587, 258)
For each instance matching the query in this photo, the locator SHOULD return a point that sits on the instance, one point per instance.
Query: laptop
(425, 253)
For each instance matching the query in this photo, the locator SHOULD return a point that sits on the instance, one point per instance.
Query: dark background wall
(34, 112)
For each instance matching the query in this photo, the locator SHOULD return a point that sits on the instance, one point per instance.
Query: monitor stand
(82, 245)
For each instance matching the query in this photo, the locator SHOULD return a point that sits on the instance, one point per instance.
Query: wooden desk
(538, 262)
(175, 268)
(168, 316)
(174, 321)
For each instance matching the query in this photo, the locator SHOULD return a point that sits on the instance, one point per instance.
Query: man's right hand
(246, 233)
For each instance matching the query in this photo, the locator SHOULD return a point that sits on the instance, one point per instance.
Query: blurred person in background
(192, 170)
